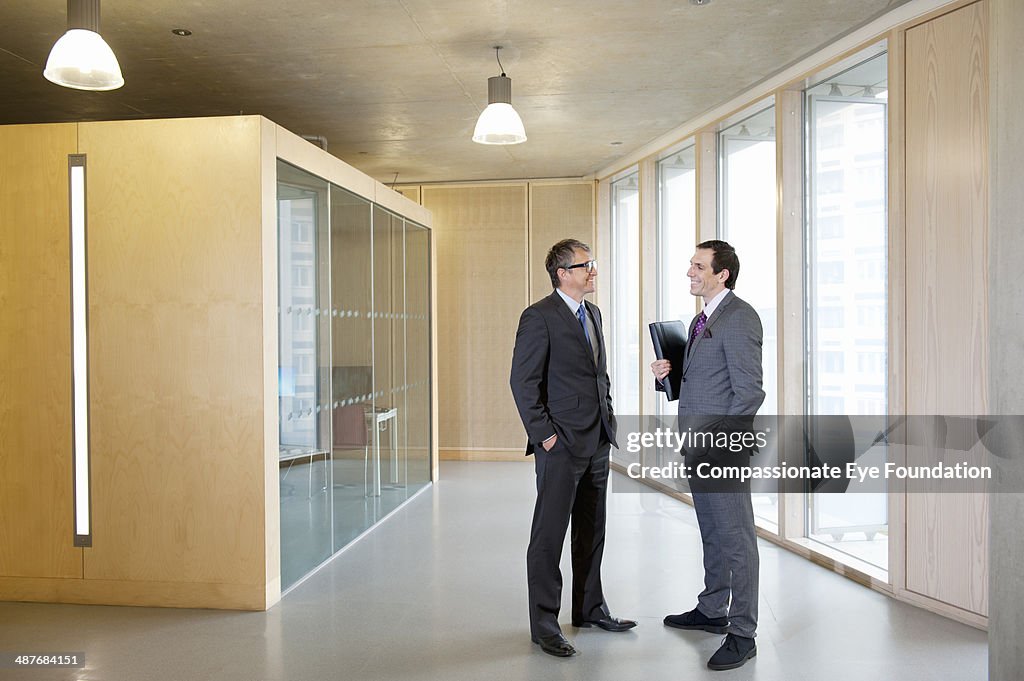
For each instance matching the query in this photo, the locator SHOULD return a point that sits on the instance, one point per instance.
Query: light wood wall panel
(603, 237)
(419, 347)
(481, 240)
(792, 350)
(411, 192)
(897, 299)
(946, 234)
(557, 211)
(649, 400)
(176, 352)
(707, 187)
(1006, 362)
(36, 495)
(271, 427)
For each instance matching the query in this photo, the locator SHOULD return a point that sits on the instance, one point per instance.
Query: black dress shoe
(735, 652)
(695, 619)
(555, 644)
(608, 623)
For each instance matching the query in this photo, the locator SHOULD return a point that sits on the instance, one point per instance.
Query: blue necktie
(581, 314)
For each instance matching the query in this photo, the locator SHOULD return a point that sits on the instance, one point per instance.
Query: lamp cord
(500, 67)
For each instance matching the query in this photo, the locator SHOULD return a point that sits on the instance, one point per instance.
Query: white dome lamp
(81, 59)
(499, 123)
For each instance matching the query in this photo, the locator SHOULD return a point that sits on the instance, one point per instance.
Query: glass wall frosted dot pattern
(354, 388)
(748, 222)
(304, 452)
(351, 365)
(847, 339)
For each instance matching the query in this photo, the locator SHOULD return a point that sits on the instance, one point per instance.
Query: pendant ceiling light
(81, 59)
(499, 123)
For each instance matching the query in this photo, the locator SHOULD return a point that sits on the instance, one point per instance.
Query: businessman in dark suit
(720, 392)
(560, 385)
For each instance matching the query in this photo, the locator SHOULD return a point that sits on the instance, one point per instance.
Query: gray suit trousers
(726, 521)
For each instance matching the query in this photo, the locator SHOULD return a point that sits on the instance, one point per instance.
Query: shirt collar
(710, 308)
(573, 305)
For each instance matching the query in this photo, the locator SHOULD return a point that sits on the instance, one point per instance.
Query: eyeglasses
(591, 266)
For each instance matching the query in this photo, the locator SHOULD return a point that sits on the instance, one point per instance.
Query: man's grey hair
(562, 255)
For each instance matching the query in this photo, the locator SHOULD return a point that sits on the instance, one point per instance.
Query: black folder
(669, 340)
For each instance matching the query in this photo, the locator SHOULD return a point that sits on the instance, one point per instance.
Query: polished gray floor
(438, 591)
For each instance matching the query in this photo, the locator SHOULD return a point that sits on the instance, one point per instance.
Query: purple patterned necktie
(698, 328)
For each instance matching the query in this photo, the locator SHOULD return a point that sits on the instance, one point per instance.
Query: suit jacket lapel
(570, 319)
(715, 316)
(719, 311)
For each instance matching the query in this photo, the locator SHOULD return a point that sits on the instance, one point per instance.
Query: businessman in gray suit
(560, 385)
(720, 392)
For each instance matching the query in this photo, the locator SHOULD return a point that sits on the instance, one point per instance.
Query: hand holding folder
(669, 340)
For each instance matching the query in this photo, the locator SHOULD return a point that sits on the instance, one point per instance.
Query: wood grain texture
(707, 186)
(897, 298)
(270, 359)
(557, 211)
(36, 493)
(480, 233)
(947, 321)
(465, 454)
(411, 192)
(174, 594)
(418, 358)
(435, 400)
(177, 351)
(790, 219)
(648, 279)
(603, 239)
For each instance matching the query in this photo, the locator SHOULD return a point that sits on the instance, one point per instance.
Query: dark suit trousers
(568, 487)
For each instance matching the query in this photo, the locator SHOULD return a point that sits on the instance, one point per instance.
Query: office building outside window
(748, 221)
(847, 294)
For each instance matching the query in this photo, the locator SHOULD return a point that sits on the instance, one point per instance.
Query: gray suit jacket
(556, 383)
(722, 373)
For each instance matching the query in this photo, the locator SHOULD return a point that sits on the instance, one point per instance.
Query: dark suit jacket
(557, 386)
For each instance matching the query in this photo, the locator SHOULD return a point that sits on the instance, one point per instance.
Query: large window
(625, 322)
(748, 222)
(676, 236)
(677, 232)
(847, 288)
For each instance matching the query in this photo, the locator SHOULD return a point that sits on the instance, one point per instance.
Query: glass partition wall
(305, 451)
(354, 295)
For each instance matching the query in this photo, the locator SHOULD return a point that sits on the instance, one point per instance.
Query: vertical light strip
(80, 354)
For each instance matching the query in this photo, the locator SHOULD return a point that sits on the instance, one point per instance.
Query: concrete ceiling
(397, 85)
